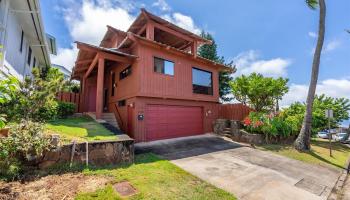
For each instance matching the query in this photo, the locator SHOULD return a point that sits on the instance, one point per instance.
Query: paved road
(246, 172)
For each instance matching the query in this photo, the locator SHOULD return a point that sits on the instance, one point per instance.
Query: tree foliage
(209, 51)
(34, 96)
(340, 107)
(259, 92)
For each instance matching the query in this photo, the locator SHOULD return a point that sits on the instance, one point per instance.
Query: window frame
(129, 68)
(21, 44)
(154, 69)
(29, 58)
(211, 91)
(113, 83)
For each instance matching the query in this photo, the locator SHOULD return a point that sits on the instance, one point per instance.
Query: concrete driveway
(243, 171)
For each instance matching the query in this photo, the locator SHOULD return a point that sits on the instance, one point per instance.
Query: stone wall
(233, 129)
(99, 153)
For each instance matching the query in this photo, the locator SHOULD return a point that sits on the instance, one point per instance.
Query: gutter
(43, 43)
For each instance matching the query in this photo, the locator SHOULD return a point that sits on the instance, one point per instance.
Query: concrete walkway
(246, 172)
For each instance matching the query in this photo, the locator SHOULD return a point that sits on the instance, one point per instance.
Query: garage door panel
(164, 121)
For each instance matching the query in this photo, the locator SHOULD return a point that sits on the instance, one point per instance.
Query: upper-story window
(125, 73)
(34, 62)
(29, 59)
(21, 45)
(164, 66)
(202, 81)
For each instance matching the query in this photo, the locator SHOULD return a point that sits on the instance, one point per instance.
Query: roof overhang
(29, 17)
(88, 54)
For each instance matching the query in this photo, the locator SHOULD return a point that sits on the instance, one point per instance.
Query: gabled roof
(145, 15)
(110, 36)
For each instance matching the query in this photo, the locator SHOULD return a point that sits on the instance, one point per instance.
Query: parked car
(322, 134)
(341, 136)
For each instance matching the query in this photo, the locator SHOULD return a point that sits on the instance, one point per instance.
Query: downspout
(3, 38)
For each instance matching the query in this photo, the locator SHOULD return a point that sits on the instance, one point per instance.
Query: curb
(340, 182)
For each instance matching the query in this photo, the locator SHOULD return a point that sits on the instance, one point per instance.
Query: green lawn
(79, 129)
(318, 155)
(155, 178)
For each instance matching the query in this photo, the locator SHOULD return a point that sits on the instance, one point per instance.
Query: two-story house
(23, 42)
(151, 78)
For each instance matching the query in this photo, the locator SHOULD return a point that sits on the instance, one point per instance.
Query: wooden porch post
(99, 90)
(82, 107)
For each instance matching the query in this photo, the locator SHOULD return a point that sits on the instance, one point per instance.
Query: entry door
(165, 121)
(92, 98)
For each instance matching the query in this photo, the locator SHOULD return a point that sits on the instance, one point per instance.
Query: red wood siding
(234, 111)
(164, 121)
(69, 97)
(179, 86)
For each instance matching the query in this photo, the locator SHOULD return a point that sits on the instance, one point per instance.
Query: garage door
(164, 121)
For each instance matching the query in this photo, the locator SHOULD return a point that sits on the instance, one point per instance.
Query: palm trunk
(302, 143)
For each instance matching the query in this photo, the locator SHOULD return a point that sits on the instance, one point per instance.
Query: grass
(318, 155)
(79, 129)
(155, 178)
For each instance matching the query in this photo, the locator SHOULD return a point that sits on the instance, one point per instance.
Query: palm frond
(312, 3)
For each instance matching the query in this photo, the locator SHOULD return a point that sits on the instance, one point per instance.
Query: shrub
(26, 142)
(65, 109)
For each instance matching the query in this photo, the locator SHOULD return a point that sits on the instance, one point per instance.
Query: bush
(270, 125)
(25, 143)
(65, 109)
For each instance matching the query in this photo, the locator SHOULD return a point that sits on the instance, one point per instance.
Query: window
(163, 66)
(113, 83)
(125, 73)
(202, 81)
(29, 59)
(34, 62)
(21, 47)
(121, 103)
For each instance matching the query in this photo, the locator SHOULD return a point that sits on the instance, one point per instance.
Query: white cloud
(184, 21)
(331, 87)
(312, 34)
(332, 45)
(249, 62)
(65, 57)
(162, 4)
(87, 23)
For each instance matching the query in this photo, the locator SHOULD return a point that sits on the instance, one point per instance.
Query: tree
(302, 143)
(259, 92)
(340, 106)
(209, 51)
(35, 96)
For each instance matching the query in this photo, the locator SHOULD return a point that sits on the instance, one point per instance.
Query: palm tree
(302, 143)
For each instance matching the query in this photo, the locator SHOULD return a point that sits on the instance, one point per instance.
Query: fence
(234, 111)
(69, 97)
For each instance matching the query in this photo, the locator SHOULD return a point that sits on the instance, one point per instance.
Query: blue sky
(275, 38)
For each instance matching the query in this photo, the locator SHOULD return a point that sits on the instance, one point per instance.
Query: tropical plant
(302, 143)
(65, 109)
(340, 107)
(36, 97)
(259, 92)
(209, 51)
(26, 142)
(8, 87)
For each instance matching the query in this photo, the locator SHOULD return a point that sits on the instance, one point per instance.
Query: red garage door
(164, 121)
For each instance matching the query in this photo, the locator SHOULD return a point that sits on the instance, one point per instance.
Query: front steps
(108, 118)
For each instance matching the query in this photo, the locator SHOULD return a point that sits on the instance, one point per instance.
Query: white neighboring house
(65, 71)
(23, 41)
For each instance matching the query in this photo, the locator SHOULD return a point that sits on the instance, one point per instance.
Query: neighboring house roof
(28, 13)
(64, 70)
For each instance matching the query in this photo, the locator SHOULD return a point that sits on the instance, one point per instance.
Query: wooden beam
(91, 67)
(83, 61)
(171, 31)
(99, 89)
(116, 58)
(150, 30)
(194, 48)
(141, 30)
